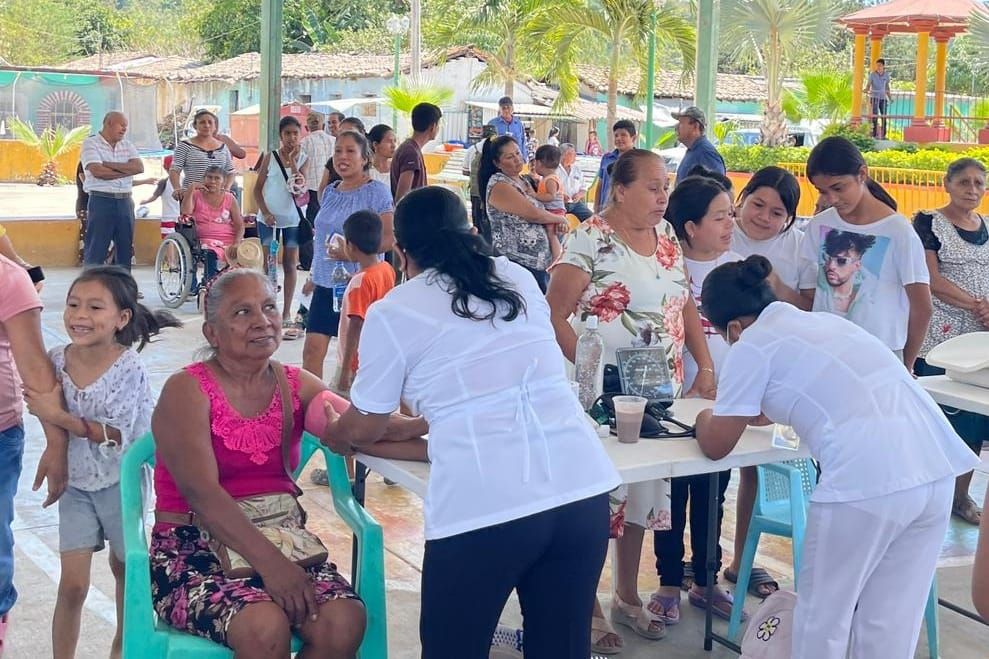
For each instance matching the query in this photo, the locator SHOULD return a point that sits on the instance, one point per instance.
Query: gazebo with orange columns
(941, 19)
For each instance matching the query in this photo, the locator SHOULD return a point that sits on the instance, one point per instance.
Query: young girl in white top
(108, 404)
(860, 258)
(700, 211)
(764, 225)
(888, 461)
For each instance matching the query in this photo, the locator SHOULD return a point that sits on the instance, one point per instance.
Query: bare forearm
(694, 337)
(951, 293)
(129, 168)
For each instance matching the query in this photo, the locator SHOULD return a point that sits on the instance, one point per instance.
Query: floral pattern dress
(639, 302)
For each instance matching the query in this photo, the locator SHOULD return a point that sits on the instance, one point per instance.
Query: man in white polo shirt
(110, 163)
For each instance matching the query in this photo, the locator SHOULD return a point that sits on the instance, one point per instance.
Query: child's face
(91, 316)
(712, 233)
(541, 168)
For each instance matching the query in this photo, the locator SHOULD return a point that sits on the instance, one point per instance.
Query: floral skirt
(645, 504)
(189, 591)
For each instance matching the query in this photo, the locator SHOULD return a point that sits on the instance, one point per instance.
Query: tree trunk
(510, 68)
(612, 95)
(773, 131)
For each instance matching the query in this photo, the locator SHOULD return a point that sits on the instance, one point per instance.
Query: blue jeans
(109, 219)
(11, 453)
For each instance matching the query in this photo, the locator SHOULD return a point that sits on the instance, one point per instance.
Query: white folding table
(647, 460)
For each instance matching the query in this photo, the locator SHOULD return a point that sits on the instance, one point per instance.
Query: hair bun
(755, 269)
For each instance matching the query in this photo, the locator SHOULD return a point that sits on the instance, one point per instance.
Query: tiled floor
(400, 513)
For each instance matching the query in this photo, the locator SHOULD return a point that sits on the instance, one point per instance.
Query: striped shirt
(193, 161)
(96, 150)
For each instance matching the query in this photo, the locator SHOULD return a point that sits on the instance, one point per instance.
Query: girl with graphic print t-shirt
(860, 258)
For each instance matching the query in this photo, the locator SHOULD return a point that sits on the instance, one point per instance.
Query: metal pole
(707, 58)
(651, 77)
(415, 38)
(271, 73)
(394, 80)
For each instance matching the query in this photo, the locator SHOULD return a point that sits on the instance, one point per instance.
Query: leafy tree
(821, 95)
(34, 32)
(773, 33)
(575, 30)
(99, 29)
(52, 143)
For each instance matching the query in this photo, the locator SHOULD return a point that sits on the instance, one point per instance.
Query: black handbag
(306, 232)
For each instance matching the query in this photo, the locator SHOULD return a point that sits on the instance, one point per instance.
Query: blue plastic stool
(147, 637)
(781, 509)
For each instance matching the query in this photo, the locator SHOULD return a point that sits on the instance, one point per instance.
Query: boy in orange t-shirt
(362, 231)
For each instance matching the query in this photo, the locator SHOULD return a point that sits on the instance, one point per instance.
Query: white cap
(591, 322)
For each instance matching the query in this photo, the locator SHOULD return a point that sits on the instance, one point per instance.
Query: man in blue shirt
(623, 137)
(880, 94)
(700, 151)
(507, 124)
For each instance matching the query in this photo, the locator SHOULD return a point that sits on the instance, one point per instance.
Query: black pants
(480, 218)
(306, 251)
(552, 559)
(109, 220)
(879, 118)
(668, 545)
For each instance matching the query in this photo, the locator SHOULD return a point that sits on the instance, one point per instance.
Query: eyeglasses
(841, 261)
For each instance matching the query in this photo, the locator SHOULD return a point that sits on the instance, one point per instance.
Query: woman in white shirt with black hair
(888, 460)
(517, 494)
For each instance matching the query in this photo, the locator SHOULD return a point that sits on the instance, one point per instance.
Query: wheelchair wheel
(174, 268)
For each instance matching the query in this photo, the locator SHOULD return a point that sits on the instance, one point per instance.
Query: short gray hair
(567, 146)
(216, 289)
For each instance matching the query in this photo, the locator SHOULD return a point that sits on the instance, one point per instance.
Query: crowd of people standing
(764, 318)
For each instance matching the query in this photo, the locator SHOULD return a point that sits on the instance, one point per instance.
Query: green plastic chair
(147, 637)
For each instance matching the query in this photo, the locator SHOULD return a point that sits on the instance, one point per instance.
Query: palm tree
(498, 30)
(773, 33)
(51, 144)
(618, 30)
(822, 95)
(408, 94)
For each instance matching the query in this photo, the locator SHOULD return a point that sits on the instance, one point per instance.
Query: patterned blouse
(523, 242)
(638, 299)
(122, 399)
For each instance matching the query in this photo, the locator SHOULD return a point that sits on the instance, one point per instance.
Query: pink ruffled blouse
(247, 450)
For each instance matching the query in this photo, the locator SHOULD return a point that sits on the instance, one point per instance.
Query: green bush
(860, 136)
(753, 158)
(907, 156)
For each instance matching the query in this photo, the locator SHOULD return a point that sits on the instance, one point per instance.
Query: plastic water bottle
(338, 281)
(273, 263)
(589, 363)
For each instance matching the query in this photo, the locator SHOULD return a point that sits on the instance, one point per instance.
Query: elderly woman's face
(247, 324)
(205, 125)
(509, 160)
(967, 188)
(644, 200)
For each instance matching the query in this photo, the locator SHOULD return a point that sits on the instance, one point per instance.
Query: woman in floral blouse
(626, 267)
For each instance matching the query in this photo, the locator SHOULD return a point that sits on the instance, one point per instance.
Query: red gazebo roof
(903, 15)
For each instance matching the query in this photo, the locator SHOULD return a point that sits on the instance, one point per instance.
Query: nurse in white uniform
(888, 461)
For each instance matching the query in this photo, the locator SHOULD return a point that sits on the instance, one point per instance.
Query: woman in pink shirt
(219, 225)
(218, 429)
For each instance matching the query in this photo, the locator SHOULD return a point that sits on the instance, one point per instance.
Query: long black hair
(431, 227)
(487, 167)
(737, 289)
(689, 202)
(837, 156)
(786, 185)
(144, 323)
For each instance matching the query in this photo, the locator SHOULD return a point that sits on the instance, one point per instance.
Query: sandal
(291, 332)
(967, 510)
(761, 585)
(669, 605)
(639, 619)
(600, 630)
(723, 603)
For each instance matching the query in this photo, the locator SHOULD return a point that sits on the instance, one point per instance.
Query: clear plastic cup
(628, 417)
(785, 437)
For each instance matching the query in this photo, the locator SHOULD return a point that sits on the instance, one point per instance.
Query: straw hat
(248, 254)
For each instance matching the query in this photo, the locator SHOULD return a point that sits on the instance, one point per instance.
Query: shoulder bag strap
(281, 166)
(288, 421)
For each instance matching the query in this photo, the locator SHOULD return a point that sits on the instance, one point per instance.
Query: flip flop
(670, 606)
(600, 628)
(720, 597)
(291, 332)
(759, 577)
(967, 510)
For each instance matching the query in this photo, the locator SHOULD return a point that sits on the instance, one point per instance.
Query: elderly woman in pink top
(219, 225)
(218, 428)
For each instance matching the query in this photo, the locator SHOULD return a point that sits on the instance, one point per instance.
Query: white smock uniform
(888, 459)
(507, 436)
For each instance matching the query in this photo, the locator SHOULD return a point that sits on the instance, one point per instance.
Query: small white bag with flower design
(770, 631)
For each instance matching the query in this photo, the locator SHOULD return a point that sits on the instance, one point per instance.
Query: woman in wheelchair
(218, 426)
(217, 219)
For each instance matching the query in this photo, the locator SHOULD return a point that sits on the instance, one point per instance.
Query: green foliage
(34, 32)
(753, 158)
(410, 94)
(667, 139)
(859, 135)
(100, 28)
(721, 130)
(51, 143)
(821, 95)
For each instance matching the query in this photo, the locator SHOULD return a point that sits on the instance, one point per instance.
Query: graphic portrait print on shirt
(850, 265)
